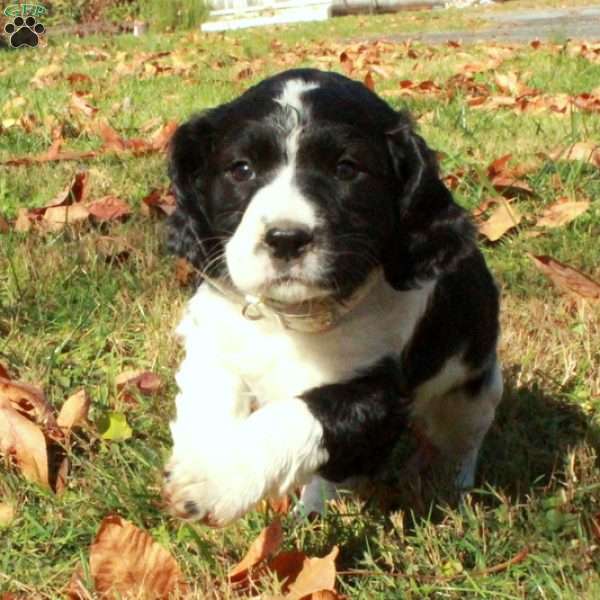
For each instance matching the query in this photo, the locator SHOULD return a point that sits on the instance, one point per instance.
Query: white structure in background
(237, 14)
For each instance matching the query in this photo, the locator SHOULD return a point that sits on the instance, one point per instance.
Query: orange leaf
(267, 543)
(498, 166)
(159, 202)
(369, 81)
(108, 208)
(503, 219)
(74, 411)
(567, 278)
(287, 566)
(280, 506)
(317, 574)
(126, 561)
(560, 213)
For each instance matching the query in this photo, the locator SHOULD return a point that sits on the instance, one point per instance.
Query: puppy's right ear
(189, 231)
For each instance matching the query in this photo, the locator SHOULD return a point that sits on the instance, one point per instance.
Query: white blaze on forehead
(290, 100)
(292, 92)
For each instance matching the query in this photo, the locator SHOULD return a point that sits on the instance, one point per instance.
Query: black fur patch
(361, 419)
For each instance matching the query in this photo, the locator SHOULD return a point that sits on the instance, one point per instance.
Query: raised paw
(213, 496)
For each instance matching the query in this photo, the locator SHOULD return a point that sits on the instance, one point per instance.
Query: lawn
(73, 317)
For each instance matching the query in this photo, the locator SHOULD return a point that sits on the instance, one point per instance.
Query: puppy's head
(303, 185)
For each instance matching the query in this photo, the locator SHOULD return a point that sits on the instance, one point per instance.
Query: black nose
(287, 242)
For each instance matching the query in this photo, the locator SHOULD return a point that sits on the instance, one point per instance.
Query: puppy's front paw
(215, 496)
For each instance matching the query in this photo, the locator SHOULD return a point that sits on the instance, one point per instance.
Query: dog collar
(310, 316)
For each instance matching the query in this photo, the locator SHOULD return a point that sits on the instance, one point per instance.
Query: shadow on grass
(531, 438)
(525, 453)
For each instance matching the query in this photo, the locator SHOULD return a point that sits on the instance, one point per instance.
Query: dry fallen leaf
(265, 545)
(79, 103)
(562, 212)
(28, 400)
(159, 202)
(147, 382)
(108, 208)
(4, 225)
(57, 217)
(23, 442)
(317, 574)
(584, 151)
(567, 278)
(74, 411)
(502, 220)
(126, 562)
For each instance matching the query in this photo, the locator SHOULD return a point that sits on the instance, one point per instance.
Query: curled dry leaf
(562, 212)
(266, 544)
(24, 443)
(567, 278)
(147, 382)
(504, 218)
(317, 574)
(28, 400)
(126, 562)
(74, 411)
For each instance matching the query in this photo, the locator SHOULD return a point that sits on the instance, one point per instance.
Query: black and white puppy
(343, 298)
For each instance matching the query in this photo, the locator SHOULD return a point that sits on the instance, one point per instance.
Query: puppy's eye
(241, 171)
(346, 170)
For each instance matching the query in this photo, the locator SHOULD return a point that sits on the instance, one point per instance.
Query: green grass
(69, 319)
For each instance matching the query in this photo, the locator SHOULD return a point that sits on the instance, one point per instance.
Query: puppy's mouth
(290, 289)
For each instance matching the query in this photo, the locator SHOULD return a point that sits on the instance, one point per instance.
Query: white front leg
(219, 478)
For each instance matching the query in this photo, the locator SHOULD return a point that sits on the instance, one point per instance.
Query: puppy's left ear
(431, 232)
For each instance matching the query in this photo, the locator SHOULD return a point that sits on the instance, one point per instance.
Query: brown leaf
(347, 63)
(562, 212)
(23, 441)
(502, 220)
(126, 561)
(317, 574)
(583, 151)
(79, 79)
(159, 202)
(266, 544)
(28, 400)
(4, 372)
(57, 217)
(147, 382)
(74, 410)
(80, 104)
(511, 186)
(287, 566)
(109, 208)
(498, 166)
(161, 138)
(567, 278)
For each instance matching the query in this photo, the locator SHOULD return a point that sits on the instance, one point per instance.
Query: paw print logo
(24, 32)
